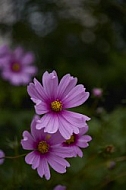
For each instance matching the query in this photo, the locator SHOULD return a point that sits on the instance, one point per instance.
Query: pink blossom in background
(46, 151)
(53, 98)
(78, 141)
(1, 157)
(3, 54)
(97, 92)
(60, 187)
(16, 66)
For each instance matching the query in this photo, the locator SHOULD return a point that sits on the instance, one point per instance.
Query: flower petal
(43, 168)
(41, 108)
(83, 130)
(83, 141)
(78, 151)
(35, 90)
(60, 151)
(27, 142)
(18, 53)
(56, 138)
(58, 164)
(28, 58)
(4, 50)
(75, 97)
(30, 70)
(36, 161)
(30, 157)
(65, 128)
(43, 122)
(66, 84)
(75, 119)
(40, 89)
(50, 84)
(2, 155)
(53, 124)
(37, 134)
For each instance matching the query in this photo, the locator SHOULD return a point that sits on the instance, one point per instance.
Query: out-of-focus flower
(111, 165)
(16, 65)
(78, 141)
(52, 100)
(3, 54)
(109, 149)
(2, 155)
(97, 92)
(60, 187)
(46, 150)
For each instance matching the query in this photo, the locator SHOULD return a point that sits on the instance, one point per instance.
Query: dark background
(86, 38)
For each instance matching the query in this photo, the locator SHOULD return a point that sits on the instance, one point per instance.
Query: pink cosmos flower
(16, 66)
(53, 99)
(1, 157)
(60, 187)
(78, 141)
(46, 150)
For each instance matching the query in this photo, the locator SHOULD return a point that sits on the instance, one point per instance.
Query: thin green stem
(13, 157)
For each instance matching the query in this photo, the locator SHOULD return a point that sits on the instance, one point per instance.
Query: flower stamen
(70, 140)
(56, 106)
(16, 67)
(43, 147)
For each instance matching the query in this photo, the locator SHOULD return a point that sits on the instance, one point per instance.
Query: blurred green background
(86, 38)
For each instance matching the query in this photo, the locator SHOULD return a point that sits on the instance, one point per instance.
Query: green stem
(13, 157)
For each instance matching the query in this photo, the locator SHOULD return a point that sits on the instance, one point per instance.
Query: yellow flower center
(56, 106)
(71, 140)
(16, 67)
(43, 147)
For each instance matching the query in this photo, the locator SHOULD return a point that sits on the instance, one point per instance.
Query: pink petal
(50, 84)
(40, 89)
(30, 157)
(65, 85)
(4, 61)
(28, 58)
(83, 130)
(35, 90)
(58, 164)
(60, 151)
(56, 138)
(43, 169)
(85, 138)
(43, 122)
(65, 128)
(36, 161)
(78, 151)
(18, 53)
(37, 134)
(31, 70)
(2, 155)
(41, 108)
(75, 119)
(53, 124)
(75, 97)
(82, 144)
(4, 50)
(27, 141)
(82, 141)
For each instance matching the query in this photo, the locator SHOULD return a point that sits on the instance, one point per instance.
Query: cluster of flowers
(56, 132)
(16, 65)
